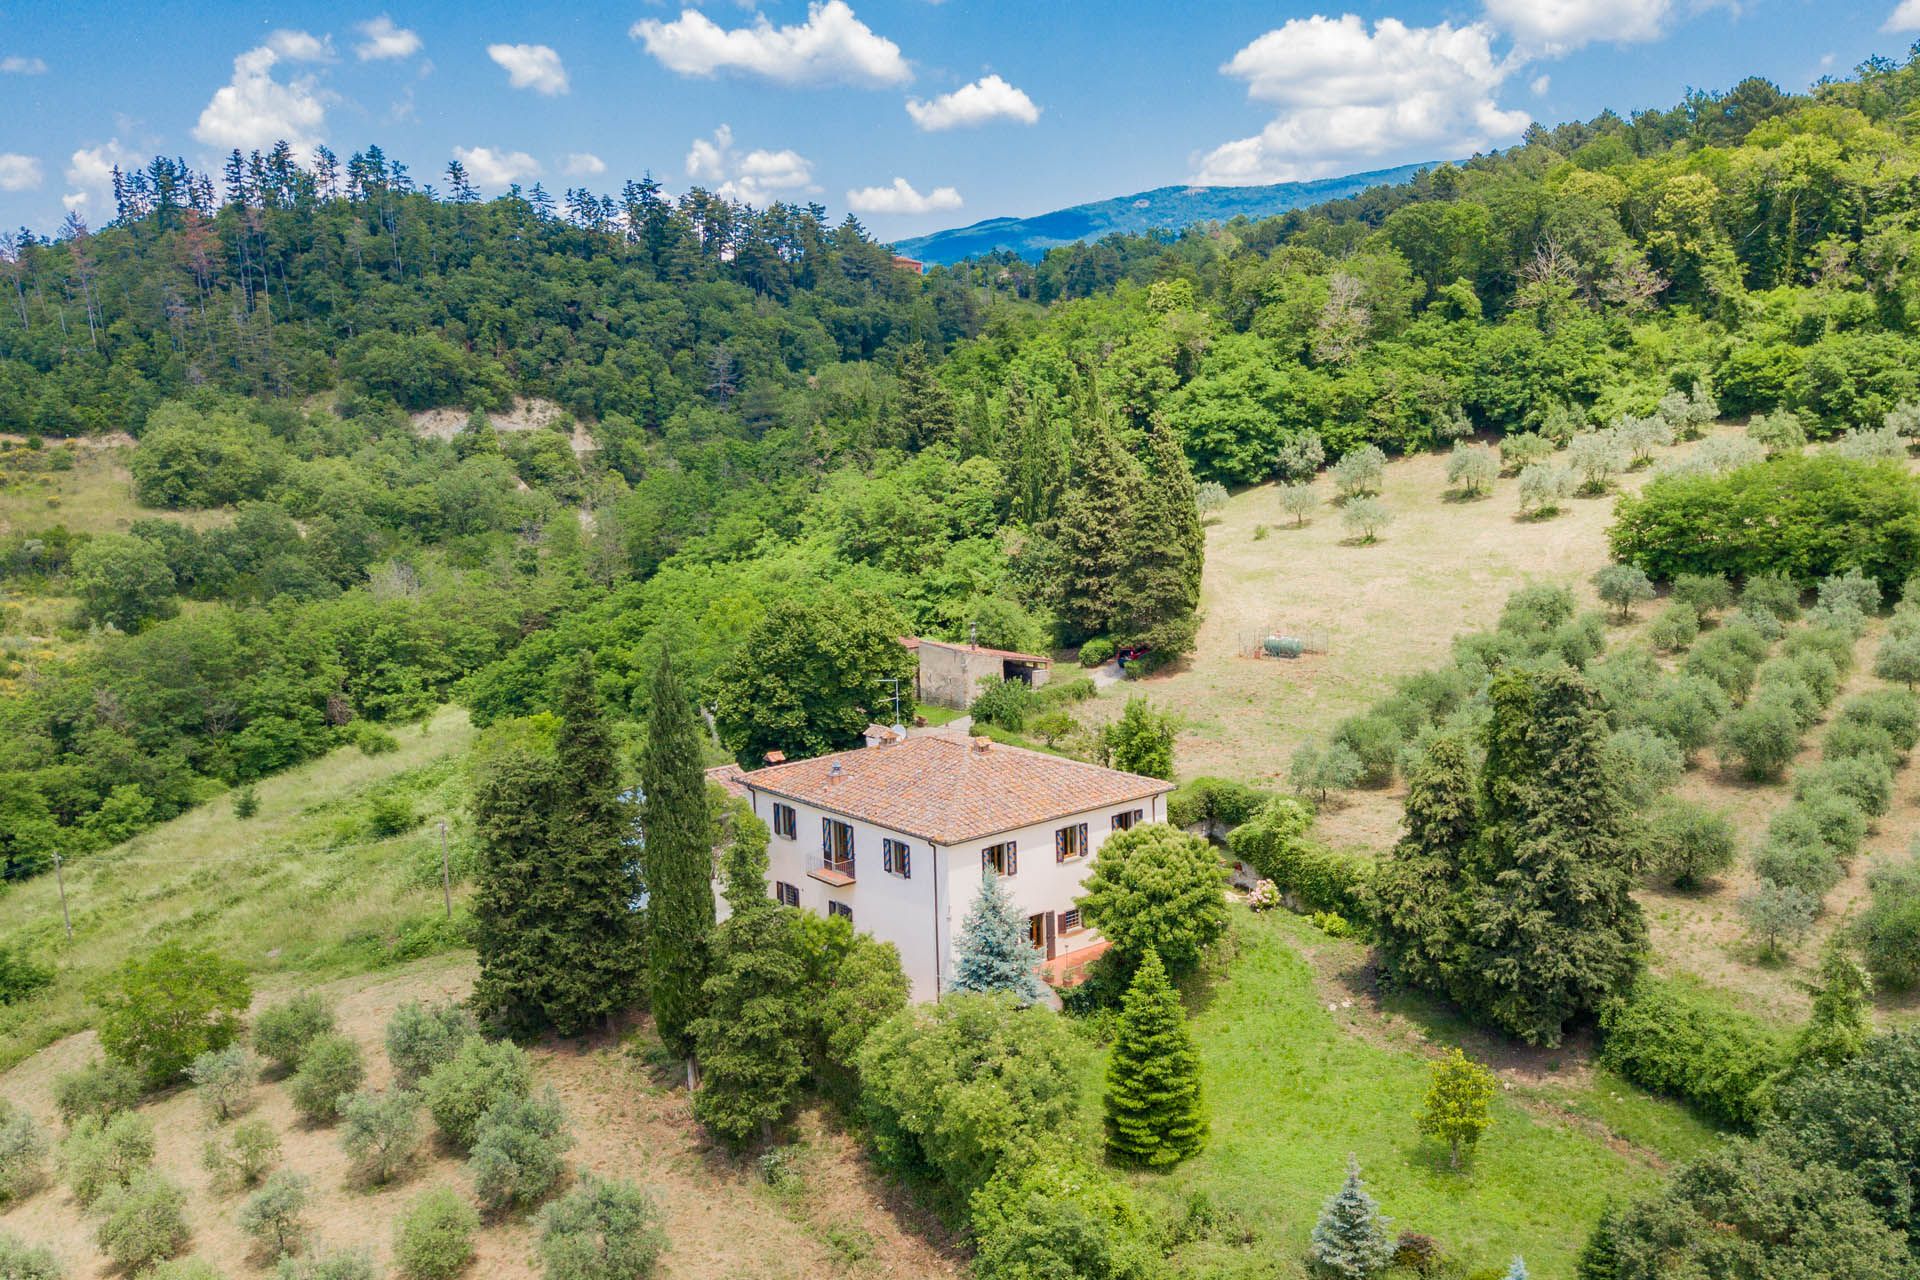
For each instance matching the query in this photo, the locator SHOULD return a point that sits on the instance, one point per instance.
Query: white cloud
(1539, 85)
(831, 47)
(987, 99)
(90, 171)
(754, 177)
(901, 198)
(385, 40)
(531, 66)
(584, 164)
(496, 167)
(1347, 97)
(256, 110)
(18, 172)
(1559, 26)
(16, 65)
(74, 201)
(1905, 17)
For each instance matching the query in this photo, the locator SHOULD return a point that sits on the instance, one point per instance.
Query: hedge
(1215, 801)
(1681, 1042)
(1275, 844)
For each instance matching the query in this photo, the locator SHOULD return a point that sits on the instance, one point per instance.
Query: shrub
(20, 977)
(142, 1223)
(1761, 737)
(1375, 742)
(1096, 652)
(391, 814)
(1851, 592)
(1704, 592)
(101, 1154)
(1688, 843)
(481, 1074)
(1824, 816)
(22, 1261)
(330, 1070)
(1889, 930)
(434, 1238)
(178, 1269)
(160, 1011)
(1220, 803)
(340, 1264)
(1057, 1216)
(1806, 517)
(246, 803)
(23, 1154)
(1003, 702)
(1676, 627)
(380, 1133)
(1680, 1042)
(1847, 738)
(274, 1217)
(602, 1230)
(420, 1037)
(99, 1089)
(223, 1079)
(518, 1152)
(284, 1029)
(1772, 594)
(242, 1156)
(1865, 780)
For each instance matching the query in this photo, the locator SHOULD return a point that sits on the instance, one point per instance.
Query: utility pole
(61, 877)
(446, 874)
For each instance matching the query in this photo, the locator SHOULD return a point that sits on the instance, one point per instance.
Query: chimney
(980, 744)
(833, 773)
(776, 757)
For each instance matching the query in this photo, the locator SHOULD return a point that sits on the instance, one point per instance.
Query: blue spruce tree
(1518, 1271)
(1350, 1240)
(993, 953)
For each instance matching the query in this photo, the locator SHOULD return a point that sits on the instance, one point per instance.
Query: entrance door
(1040, 933)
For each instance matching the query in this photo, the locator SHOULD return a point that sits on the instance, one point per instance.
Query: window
(1070, 921)
(1125, 821)
(840, 909)
(1070, 842)
(896, 859)
(787, 895)
(785, 821)
(836, 846)
(1001, 859)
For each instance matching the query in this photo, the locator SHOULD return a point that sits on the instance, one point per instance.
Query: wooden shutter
(826, 837)
(1060, 845)
(1013, 858)
(1050, 935)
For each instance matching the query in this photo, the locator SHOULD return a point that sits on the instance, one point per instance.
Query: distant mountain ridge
(1168, 208)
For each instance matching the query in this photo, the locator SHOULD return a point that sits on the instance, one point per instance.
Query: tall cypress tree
(1094, 526)
(927, 412)
(993, 952)
(1159, 586)
(1155, 1115)
(558, 940)
(678, 857)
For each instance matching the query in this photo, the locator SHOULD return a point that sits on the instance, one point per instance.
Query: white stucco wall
(922, 914)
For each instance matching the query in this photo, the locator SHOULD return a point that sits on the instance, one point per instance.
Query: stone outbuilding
(950, 674)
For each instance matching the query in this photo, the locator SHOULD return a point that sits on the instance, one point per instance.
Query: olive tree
(1623, 586)
(1472, 468)
(1365, 518)
(1360, 472)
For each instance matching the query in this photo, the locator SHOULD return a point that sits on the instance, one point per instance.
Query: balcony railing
(833, 871)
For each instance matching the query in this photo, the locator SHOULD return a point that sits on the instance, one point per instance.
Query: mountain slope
(1169, 208)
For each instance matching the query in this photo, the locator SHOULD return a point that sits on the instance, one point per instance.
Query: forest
(694, 467)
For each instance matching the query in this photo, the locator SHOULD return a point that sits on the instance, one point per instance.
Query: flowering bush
(1265, 896)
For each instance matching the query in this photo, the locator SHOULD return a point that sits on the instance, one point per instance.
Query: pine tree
(1155, 1115)
(993, 952)
(558, 941)
(1095, 521)
(1518, 1271)
(1350, 1240)
(678, 857)
(1159, 586)
(1842, 1018)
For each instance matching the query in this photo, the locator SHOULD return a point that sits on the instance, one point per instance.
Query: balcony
(837, 872)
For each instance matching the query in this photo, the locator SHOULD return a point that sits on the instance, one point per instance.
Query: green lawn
(1292, 1093)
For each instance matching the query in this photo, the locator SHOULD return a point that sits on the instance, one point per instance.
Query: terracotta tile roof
(728, 776)
(945, 790)
(1015, 655)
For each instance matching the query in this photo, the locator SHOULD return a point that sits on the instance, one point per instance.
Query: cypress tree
(927, 411)
(1159, 586)
(1155, 1115)
(678, 857)
(1094, 526)
(751, 1038)
(993, 952)
(1350, 1240)
(558, 940)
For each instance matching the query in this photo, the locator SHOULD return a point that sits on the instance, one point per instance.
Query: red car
(1133, 653)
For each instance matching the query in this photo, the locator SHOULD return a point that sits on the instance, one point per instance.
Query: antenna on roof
(895, 682)
(973, 634)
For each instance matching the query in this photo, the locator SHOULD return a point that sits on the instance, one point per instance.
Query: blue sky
(917, 115)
